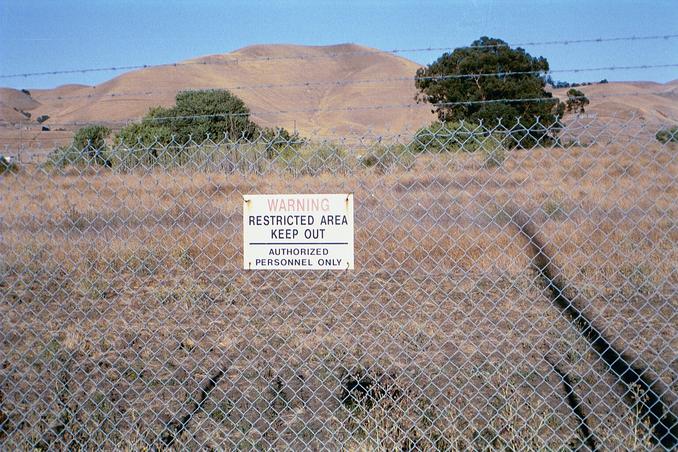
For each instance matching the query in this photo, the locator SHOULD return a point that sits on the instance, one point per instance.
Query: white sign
(298, 232)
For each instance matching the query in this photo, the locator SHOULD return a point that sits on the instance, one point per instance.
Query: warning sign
(298, 232)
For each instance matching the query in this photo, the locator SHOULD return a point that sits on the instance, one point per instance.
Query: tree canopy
(91, 137)
(197, 115)
(576, 101)
(455, 85)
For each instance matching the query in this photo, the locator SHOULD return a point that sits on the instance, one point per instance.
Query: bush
(576, 101)
(87, 147)
(8, 164)
(277, 140)
(668, 135)
(146, 133)
(71, 155)
(385, 157)
(93, 136)
(494, 156)
(167, 136)
(457, 137)
(444, 137)
(315, 158)
(92, 141)
(197, 115)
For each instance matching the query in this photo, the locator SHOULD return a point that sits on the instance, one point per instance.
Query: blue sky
(48, 35)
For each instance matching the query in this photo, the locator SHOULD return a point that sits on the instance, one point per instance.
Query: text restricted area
(298, 232)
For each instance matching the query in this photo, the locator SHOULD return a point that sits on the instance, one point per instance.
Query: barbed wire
(36, 133)
(359, 136)
(580, 122)
(225, 60)
(356, 108)
(347, 82)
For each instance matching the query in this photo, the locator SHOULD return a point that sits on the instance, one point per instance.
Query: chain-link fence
(514, 288)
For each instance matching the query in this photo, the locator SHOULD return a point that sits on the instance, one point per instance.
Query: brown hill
(246, 72)
(271, 80)
(15, 105)
(654, 103)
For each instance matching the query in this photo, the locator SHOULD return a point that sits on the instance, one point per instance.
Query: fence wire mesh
(512, 291)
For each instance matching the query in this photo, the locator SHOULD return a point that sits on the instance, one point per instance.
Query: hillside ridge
(270, 78)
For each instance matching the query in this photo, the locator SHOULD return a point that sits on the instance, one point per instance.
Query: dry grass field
(127, 319)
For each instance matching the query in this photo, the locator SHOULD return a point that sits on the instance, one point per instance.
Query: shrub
(278, 139)
(456, 137)
(93, 136)
(146, 133)
(667, 135)
(576, 101)
(71, 155)
(197, 115)
(444, 137)
(494, 156)
(385, 157)
(87, 147)
(92, 141)
(8, 164)
(315, 158)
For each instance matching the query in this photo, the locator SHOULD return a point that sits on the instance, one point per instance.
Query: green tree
(576, 101)
(196, 116)
(453, 84)
(92, 136)
(90, 141)
(145, 133)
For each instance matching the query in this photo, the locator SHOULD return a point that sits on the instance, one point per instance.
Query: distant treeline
(561, 84)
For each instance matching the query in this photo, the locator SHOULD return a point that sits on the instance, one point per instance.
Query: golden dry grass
(322, 108)
(150, 87)
(130, 285)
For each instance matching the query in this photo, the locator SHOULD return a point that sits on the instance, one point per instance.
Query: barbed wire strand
(347, 82)
(341, 109)
(231, 60)
(626, 121)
